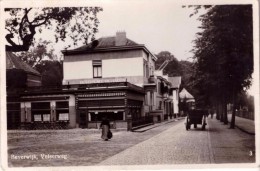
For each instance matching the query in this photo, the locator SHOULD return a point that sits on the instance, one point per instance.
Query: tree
(78, 23)
(51, 72)
(223, 54)
(37, 53)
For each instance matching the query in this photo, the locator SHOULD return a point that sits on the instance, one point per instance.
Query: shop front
(120, 106)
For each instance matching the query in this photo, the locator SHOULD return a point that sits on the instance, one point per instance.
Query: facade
(82, 106)
(111, 77)
(186, 97)
(176, 82)
(19, 75)
(114, 59)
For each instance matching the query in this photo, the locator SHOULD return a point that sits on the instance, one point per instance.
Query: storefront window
(37, 117)
(62, 110)
(41, 111)
(46, 117)
(63, 116)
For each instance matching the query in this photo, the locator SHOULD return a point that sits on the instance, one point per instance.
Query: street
(178, 146)
(167, 143)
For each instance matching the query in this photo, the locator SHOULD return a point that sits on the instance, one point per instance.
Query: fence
(245, 114)
(44, 125)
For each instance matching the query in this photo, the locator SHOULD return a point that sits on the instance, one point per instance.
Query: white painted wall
(110, 68)
(77, 70)
(122, 67)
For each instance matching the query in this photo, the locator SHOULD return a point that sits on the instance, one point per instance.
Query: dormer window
(97, 68)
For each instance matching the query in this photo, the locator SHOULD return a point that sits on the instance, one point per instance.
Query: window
(63, 116)
(97, 68)
(41, 111)
(151, 98)
(46, 117)
(145, 99)
(159, 88)
(62, 111)
(146, 69)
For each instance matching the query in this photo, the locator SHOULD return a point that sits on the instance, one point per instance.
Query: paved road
(165, 143)
(217, 144)
(173, 146)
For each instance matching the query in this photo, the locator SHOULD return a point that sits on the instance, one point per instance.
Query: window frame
(97, 68)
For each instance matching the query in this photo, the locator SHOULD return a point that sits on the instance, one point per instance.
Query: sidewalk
(231, 145)
(245, 125)
(146, 128)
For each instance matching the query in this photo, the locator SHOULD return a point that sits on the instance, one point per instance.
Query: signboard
(103, 80)
(109, 110)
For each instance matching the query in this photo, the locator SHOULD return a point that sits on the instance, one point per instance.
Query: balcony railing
(81, 87)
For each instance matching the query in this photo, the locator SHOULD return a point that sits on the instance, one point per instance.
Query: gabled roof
(104, 42)
(176, 81)
(185, 94)
(13, 62)
(107, 44)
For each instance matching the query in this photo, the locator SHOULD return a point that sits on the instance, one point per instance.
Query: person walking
(211, 113)
(105, 125)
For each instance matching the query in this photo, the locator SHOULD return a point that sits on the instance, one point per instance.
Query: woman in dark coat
(105, 125)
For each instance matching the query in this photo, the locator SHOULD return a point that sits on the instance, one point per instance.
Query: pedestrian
(211, 113)
(105, 125)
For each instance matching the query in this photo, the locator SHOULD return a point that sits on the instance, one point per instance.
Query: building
(111, 77)
(19, 76)
(176, 83)
(186, 97)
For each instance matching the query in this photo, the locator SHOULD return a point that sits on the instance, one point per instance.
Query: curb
(243, 130)
(163, 123)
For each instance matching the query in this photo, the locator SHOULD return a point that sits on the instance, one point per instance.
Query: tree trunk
(221, 111)
(232, 124)
(225, 112)
(217, 111)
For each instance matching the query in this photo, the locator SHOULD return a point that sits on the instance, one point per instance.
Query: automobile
(196, 117)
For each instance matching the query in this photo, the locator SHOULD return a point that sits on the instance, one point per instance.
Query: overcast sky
(161, 25)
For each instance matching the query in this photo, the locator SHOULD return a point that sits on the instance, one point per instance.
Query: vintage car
(196, 117)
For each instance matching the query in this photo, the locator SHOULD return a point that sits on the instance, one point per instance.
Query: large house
(111, 77)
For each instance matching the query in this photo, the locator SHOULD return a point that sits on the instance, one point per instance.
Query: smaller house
(19, 75)
(176, 82)
(185, 96)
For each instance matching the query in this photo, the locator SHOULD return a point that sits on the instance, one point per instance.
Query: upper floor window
(97, 68)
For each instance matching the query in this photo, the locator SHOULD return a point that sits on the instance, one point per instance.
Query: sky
(160, 26)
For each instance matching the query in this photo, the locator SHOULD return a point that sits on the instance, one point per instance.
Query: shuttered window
(97, 68)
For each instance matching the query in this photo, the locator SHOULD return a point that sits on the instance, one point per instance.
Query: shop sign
(103, 80)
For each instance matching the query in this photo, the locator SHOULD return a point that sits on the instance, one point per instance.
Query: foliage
(44, 61)
(37, 53)
(176, 68)
(51, 72)
(223, 53)
(78, 23)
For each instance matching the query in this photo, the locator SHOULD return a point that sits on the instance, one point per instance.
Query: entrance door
(83, 117)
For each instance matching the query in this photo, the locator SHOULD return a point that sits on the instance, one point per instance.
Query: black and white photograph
(129, 84)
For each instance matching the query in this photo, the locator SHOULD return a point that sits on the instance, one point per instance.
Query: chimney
(120, 38)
